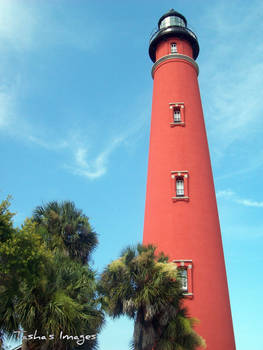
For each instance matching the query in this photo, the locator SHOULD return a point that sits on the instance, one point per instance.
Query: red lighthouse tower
(181, 216)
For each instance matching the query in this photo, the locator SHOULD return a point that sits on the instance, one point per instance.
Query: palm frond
(147, 288)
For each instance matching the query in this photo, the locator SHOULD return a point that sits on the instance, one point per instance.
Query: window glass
(177, 115)
(173, 48)
(172, 21)
(184, 280)
(179, 187)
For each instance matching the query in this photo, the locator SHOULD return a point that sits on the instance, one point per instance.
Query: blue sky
(75, 104)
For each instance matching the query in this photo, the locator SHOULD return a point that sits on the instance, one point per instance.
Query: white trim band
(173, 56)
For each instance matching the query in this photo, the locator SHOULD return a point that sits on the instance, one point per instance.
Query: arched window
(173, 48)
(179, 187)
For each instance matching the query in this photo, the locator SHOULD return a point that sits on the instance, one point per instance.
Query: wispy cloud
(92, 166)
(23, 28)
(96, 167)
(70, 144)
(253, 163)
(230, 195)
(249, 203)
(233, 74)
(17, 125)
(17, 25)
(47, 144)
(225, 194)
(29, 25)
(6, 109)
(33, 26)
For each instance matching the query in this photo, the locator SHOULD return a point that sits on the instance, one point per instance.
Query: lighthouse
(181, 216)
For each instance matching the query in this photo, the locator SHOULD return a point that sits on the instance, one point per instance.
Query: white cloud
(233, 74)
(16, 125)
(126, 133)
(230, 195)
(253, 163)
(47, 144)
(85, 163)
(225, 193)
(26, 25)
(6, 109)
(249, 203)
(94, 168)
(17, 24)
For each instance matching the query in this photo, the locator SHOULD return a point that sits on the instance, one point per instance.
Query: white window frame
(185, 267)
(177, 114)
(180, 190)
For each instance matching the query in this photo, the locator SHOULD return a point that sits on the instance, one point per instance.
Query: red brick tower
(181, 216)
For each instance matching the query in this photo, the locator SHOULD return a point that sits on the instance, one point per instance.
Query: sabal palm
(64, 300)
(8, 284)
(46, 284)
(147, 288)
(66, 228)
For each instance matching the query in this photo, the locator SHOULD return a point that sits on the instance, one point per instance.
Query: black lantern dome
(171, 24)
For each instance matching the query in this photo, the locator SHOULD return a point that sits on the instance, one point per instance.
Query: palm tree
(66, 228)
(69, 235)
(8, 285)
(45, 283)
(64, 300)
(146, 288)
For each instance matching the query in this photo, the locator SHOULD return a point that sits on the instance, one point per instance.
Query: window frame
(177, 106)
(180, 175)
(187, 265)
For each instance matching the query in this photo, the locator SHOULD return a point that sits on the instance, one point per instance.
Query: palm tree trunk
(60, 346)
(138, 331)
(24, 344)
(44, 346)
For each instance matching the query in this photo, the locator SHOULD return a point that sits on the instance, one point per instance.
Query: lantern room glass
(172, 21)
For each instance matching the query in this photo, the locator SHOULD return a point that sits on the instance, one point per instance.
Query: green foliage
(6, 224)
(147, 288)
(24, 253)
(44, 284)
(63, 301)
(67, 228)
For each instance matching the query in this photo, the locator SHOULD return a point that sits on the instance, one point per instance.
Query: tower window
(184, 279)
(177, 115)
(179, 187)
(185, 270)
(173, 48)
